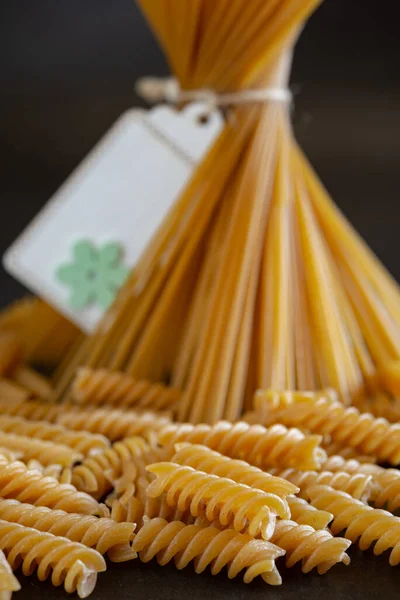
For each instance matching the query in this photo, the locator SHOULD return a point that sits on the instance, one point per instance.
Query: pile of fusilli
(110, 473)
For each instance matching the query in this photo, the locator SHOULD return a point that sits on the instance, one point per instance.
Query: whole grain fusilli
(69, 563)
(208, 546)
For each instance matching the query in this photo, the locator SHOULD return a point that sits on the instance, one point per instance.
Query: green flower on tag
(94, 276)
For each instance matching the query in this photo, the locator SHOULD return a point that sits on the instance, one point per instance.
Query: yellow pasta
(42, 333)
(131, 512)
(324, 414)
(69, 563)
(358, 485)
(121, 390)
(31, 380)
(386, 482)
(10, 352)
(20, 483)
(82, 442)
(8, 582)
(32, 410)
(97, 473)
(102, 534)
(208, 546)
(315, 549)
(218, 497)
(134, 477)
(203, 459)
(302, 543)
(303, 513)
(359, 521)
(114, 424)
(11, 392)
(261, 447)
(336, 449)
(45, 452)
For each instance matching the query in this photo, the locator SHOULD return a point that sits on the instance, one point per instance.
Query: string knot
(157, 89)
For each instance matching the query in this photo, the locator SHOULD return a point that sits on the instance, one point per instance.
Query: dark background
(67, 71)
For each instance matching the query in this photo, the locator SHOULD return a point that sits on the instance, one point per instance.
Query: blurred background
(67, 71)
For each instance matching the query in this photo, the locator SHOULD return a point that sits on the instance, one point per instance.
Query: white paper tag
(77, 251)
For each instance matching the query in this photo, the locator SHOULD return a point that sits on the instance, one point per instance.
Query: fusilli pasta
(322, 413)
(20, 483)
(83, 442)
(97, 473)
(359, 521)
(69, 563)
(102, 534)
(358, 485)
(101, 386)
(275, 446)
(208, 546)
(219, 498)
(8, 582)
(204, 459)
(114, 424)
(45, 452)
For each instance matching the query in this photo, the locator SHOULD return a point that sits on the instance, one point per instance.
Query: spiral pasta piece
(386, 482)
(360, 521)
(358, 485)
(336, 449)
(45, 452)
(218, 497)
(131, 512)
(114, 424)
(8, 582)
(276, 446)
(134, 478)
(208, 546)
(315, 549)
(7, 456)
(37, 384)
(20, 483)
(102, 534)
(97, 473)
(63, 475)
(212, 462)
(83, 442)
(303, 513)
(32, 410)
(322, 413)
(69, 563)
(102, 386)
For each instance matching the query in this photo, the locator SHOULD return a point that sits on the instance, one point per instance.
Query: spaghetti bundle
(254, 279)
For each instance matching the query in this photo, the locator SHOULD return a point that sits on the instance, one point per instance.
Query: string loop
(159, 89)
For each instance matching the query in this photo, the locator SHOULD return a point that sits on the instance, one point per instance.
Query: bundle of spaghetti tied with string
(254, 279)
